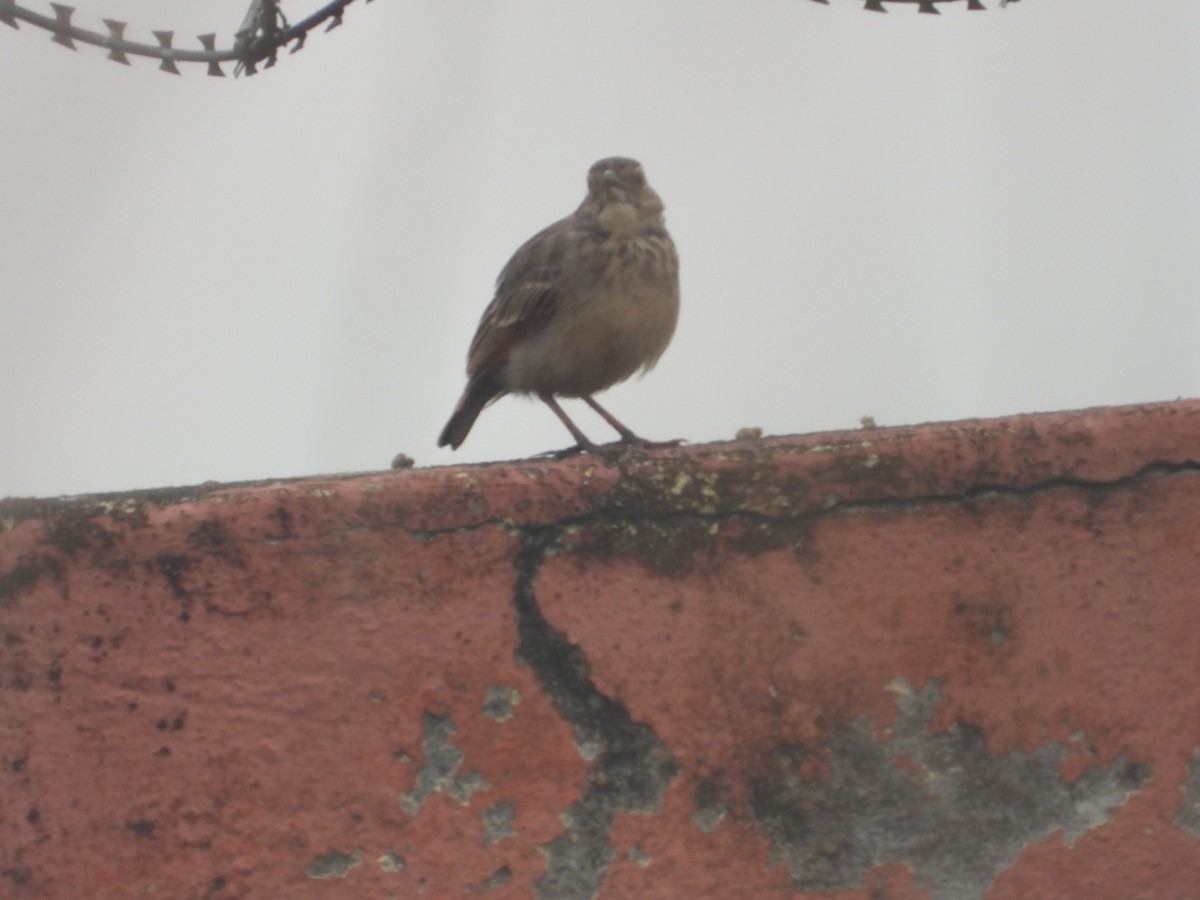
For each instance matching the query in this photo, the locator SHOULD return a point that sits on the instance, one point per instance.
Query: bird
(582, 305)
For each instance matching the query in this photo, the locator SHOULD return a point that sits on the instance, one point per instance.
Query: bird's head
(619, 197)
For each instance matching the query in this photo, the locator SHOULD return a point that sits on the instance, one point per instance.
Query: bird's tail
(479, 393)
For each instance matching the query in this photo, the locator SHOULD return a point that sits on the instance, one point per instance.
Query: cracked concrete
(683, 673)
(630, 767)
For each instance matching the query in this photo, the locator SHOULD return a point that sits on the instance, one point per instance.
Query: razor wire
(263, 33)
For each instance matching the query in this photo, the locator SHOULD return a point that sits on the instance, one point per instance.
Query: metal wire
(263, 33)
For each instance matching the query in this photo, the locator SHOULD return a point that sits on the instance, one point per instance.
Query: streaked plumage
(581, 306)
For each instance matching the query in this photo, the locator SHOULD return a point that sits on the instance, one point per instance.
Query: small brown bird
(581, 306)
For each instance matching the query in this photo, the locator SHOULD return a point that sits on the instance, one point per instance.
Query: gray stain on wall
(937, 802)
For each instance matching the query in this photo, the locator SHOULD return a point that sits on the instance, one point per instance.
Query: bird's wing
(527, 295)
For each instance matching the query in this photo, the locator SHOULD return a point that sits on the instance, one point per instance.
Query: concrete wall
(949, 661)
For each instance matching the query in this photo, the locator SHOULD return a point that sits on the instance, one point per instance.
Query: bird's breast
(616, 314)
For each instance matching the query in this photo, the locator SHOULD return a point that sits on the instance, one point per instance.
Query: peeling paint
(640, 857)
(709, 808)
(334, 864)
(392, 862)
(498, 822)
(958, 820)
(704, 627)
(1189, 814)
(439, 771)
(497, 879)
(500, 702)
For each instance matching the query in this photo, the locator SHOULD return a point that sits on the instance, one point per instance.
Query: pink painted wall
(948, 661)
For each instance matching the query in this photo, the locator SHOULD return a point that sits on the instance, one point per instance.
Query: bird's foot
(568, 452)
(632, 440)
(613, 451)
(630, 446)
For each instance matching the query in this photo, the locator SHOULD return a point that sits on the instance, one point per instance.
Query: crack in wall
(631, 767)
(873, 810)
(833, 507)
(641, 497)
(73, 513)
(630, 524)
(826, 832)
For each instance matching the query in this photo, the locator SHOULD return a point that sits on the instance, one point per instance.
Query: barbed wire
(264, 32)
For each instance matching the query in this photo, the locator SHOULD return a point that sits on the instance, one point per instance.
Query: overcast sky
(906, 216)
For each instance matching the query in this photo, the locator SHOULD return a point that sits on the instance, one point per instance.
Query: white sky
(906, 216)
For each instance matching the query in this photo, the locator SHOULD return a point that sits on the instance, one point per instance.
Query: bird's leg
(627, 436)
(580, 438)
